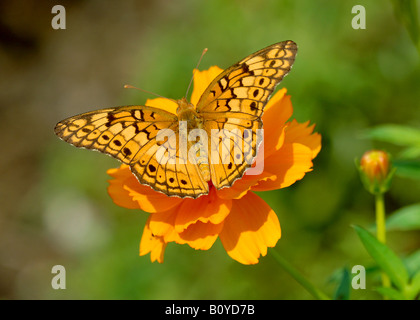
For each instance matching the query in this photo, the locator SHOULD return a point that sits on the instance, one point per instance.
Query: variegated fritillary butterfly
(234, 100)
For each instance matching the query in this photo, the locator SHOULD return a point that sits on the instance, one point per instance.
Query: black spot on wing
(110, 118)
(245, 69)
(127, 151)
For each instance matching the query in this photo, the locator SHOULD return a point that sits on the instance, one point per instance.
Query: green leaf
(407, 168)
(391, 293)
(406, 12)
(412, 262)
(396, 134)
(410, 153)
(413, 289)
(406, 218)
(343, 289)
(389, 262)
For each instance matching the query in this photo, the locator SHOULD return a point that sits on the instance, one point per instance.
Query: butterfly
(149, 139)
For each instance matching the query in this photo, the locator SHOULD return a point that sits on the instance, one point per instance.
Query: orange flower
(245, 224)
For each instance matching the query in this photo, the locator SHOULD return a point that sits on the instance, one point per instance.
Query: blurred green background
(55, 209)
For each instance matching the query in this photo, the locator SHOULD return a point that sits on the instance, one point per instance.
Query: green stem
(380, 217)
(299, 277)
(381, 229)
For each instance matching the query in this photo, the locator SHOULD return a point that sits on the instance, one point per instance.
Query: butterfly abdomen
(197, 150)
(202, 157)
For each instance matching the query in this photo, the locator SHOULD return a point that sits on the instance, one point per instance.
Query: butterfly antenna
(128, 86)
(192, 78)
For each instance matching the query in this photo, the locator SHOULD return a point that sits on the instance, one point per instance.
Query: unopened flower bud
(375, 164)
(375, 171)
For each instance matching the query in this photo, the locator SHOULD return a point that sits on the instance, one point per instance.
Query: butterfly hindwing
(234, 144)
(167, 172)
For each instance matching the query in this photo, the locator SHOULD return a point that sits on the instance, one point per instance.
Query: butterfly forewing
(233, 148)
(121, 132)
(243, 89)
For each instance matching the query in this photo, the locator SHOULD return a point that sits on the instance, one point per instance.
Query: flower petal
(242, 186)
(249, 229)
(303, 133)
(202, 79)
(162, 103)
(294, 159)
(201, 236)
(116, 190)
(153, 244)
(288, 165)
(277, 111)
(208, 208)
(150, 200)
(126, 187)
(162, 223)
(285, 112)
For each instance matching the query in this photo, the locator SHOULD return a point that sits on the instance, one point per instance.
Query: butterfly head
(185, 110)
